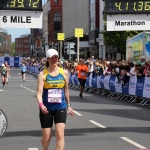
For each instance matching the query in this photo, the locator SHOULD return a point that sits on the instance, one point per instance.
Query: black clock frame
(110, 7)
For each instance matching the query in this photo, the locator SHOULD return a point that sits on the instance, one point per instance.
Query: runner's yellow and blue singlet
(53, 91)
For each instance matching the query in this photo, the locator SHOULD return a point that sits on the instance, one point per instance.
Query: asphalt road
(98, 124)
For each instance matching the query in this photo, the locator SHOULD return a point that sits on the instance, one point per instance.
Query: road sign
(61, 36)
(78, 32)
(128, 22)
(20, 19)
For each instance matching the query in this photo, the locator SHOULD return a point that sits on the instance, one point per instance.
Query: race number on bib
(55, 95)
(82, 73)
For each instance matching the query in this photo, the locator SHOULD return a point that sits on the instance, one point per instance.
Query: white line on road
(133, 143)
(99, 125)
(32, 148)
(31, 91)
(77, 113)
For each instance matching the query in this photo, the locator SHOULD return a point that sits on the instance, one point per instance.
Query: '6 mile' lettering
(20, 19)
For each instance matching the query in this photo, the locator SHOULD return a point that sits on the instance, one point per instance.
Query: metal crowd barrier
(135, 89)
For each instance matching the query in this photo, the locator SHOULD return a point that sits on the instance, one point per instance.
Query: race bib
(82, 73)
(55, 96)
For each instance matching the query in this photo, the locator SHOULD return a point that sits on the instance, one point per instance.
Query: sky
(17, 32)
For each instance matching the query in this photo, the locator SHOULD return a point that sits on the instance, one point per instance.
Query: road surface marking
(32, 91)
(99, 125)
(133, 143)
(28, 89)
(1, 90)
(21, 85)
(32, 148)
(77, 113)
(19, 73)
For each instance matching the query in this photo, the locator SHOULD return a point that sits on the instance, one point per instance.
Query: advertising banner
(16, 62)
(101, 81)
(125, 88)
(132, 85)
(90, 79)
(106, 82)
(146, 89)
(140, 86)
(76, 79)
(147, 46)
(112, 83)
(118, 86)
(87, 81)
(94, 81)
(1, 60)
(7, 60)
(134, 48)
(73, 76)
(11, 61)
(98, 82)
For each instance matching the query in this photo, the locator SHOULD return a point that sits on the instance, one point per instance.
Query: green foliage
(13, 50)
(118, 38)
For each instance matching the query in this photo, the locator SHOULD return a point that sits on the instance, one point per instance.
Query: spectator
(142, 60)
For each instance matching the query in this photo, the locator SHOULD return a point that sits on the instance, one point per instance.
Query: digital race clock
(127, 7)
(31, 5)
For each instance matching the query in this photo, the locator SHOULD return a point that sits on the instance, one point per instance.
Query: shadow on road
(68, 132)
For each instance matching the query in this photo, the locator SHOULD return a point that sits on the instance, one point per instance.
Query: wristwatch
(68, 104)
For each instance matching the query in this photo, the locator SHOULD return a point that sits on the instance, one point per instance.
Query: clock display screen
(127, 6)
(21, 5)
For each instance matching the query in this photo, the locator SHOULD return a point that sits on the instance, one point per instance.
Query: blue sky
(17, 32)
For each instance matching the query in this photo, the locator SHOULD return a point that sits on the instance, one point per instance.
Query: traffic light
(64, 47)
(75, 45)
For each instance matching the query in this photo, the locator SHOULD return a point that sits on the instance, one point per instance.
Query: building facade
(54, 21)
(5, 43)
(22, 45)
(94, 26)
(76, 14)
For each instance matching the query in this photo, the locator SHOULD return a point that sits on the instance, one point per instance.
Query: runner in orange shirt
(82, 70)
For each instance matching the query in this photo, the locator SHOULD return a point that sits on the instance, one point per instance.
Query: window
(57, 16)
(92, 15)
(92, 1)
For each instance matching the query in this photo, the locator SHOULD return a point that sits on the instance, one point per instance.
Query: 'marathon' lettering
(129, 23)
(20, 19)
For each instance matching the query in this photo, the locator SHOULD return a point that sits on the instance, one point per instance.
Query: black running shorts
(22, 73)
(59, 116)
(82, 82)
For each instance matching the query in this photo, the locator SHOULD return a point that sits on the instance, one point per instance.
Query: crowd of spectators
(121, 68)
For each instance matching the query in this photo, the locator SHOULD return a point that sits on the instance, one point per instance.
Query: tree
(117, 38)
(13, 50)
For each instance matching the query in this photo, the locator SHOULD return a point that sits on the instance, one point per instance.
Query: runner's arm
(66, 87)
(40, 85)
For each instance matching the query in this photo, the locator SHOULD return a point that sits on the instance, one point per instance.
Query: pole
(78, 46)
(60, 49)
(69, 52)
